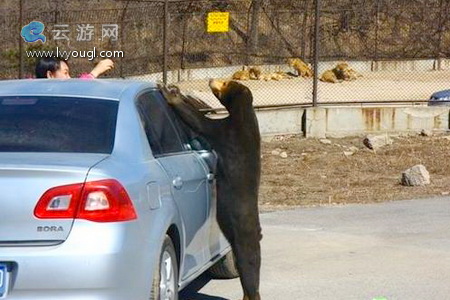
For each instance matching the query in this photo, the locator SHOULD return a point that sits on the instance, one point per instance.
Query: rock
(277, 137)
(276, 151)
(416, 176)
(426, 132)
(304, 154)
(353, 149)
(284, 137)
(283, 155)
(348, 153)
(446, 137)
(375, 142)
(325, 141)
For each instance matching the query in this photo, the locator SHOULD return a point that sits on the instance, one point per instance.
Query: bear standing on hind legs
(236, 139)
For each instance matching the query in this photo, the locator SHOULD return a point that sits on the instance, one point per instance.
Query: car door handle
(210, 177)
(177, 183)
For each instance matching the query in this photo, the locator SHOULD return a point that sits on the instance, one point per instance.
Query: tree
(253, 34)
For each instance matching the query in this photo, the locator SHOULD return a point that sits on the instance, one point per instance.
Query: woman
(50, 67)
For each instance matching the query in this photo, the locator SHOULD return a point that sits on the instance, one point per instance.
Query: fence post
(438, 47)
(253, 32)
(165, 39)
(316, 50)
(122, 36)
(183, 43)
(254, 26)
(55, 17)
(374, 66)
(21, 58)
(304, 24)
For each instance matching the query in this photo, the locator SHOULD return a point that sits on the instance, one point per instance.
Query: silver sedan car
(104, 194)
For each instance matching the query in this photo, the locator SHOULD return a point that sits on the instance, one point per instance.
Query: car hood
(24, 178)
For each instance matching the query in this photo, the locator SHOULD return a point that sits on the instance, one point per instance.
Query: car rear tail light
(105, 201)
(59, 202)
(99, 201)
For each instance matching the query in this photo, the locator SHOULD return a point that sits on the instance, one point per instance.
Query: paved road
(397, 250)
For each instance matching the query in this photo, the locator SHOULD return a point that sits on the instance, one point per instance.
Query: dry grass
(320, 174)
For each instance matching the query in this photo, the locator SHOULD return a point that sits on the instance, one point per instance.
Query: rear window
(57, 124)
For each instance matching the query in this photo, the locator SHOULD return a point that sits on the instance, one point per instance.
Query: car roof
(111, 89)
(440, 94)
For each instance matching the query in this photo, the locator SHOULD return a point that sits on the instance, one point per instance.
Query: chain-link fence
(396, 50)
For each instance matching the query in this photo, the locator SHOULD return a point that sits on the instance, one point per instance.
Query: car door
(216, 241)
(187, 174)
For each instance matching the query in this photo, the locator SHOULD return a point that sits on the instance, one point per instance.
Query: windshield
(57, 124)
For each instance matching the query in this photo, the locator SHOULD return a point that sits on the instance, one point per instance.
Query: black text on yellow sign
(218, 22)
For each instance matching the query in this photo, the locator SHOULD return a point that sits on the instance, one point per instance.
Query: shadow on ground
(191, 291)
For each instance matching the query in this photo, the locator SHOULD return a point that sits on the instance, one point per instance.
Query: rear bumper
(101, 261)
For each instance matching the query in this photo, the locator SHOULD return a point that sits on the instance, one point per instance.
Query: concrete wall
(282, 121)
(405, 66)
(351, 121)
(346, 121)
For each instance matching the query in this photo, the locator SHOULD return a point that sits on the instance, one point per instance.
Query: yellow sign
(218, 22)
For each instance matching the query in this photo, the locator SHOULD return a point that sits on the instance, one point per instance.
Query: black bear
(236, 139)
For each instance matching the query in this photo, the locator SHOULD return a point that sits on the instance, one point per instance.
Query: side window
(161, 133)
(187, 135)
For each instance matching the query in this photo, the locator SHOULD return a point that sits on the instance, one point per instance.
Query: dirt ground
(314, 173)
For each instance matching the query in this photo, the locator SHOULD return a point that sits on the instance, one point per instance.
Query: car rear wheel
(165, 282)
(225, 268)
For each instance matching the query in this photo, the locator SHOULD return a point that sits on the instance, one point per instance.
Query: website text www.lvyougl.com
(66, 54)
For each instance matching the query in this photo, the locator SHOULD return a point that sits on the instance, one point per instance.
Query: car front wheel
(165, 282)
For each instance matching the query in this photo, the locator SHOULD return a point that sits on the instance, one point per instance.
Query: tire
(165, 281)
(225, 268)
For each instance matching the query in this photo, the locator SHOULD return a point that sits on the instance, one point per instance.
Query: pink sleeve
(87, 76)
